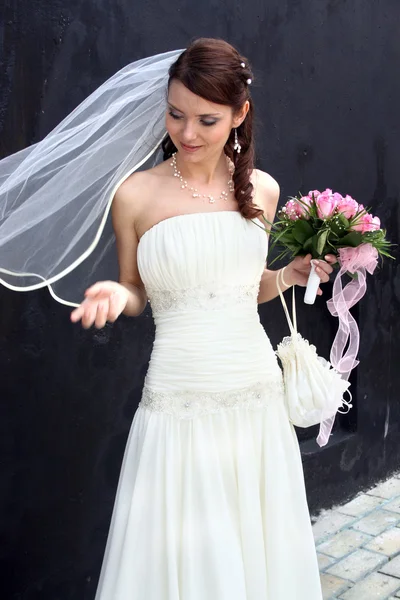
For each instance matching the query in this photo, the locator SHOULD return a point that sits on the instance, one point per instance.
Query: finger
(89, 314)
(101, 314)
(76, 314)
(331, 258)
(319, 292)
(324, 277)
(324, 266)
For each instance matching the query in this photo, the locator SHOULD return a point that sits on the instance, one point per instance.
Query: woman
(211, 501)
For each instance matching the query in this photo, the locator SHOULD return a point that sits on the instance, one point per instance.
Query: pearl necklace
(196, 194)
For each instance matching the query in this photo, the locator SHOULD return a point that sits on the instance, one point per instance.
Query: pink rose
(302, 211)
(315, 192)
(376, 222)
(347, 206)
(367, 223)
(326, 204)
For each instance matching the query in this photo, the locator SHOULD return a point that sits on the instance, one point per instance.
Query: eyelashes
(206, 123)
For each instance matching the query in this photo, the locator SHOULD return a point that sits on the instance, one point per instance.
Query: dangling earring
(237, 146)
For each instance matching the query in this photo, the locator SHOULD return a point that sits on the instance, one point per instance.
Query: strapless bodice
(202, 274)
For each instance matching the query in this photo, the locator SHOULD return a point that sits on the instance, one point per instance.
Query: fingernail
(316, 262)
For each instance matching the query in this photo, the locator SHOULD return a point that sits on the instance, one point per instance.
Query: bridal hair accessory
(248, 81)
(196, 194)
(237, 146)
(56, 195)
(313, 389)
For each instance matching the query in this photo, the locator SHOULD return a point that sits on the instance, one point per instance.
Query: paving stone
(393, 505)
(377, 521)
(324, 560)
(357, 565)
(387, 489)
(332, 585)
(344, 542)
(375, 587)
(360, 505)
(387, 543)
(330, 522)
(392, 567)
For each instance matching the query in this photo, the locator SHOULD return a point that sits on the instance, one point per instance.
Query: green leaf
(343, 221)
(322, 237)
(302, 230)
(339, 225)
(354, 239)
(310, 244)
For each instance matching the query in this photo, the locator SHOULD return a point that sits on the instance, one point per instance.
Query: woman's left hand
(298, 270)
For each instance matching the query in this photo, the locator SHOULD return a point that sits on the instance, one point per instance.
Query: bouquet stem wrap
(312, 285)
(356, 261)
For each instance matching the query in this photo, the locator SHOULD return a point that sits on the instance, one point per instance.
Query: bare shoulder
(133, 192)
(266, 193)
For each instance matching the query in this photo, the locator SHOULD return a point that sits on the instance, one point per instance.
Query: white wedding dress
(211, 501)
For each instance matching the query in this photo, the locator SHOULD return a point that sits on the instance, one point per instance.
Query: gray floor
(358, 545)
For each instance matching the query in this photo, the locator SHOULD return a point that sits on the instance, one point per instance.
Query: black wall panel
(327, 95)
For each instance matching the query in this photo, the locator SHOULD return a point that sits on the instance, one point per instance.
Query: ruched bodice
(202, 274)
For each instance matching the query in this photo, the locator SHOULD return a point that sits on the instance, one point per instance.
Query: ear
(240, 117)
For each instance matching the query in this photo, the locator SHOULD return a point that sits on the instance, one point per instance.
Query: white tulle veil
(55, 196)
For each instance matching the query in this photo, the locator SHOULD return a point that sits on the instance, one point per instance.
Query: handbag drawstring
(292, 322)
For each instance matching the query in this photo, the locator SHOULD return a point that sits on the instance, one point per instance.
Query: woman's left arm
(297, 271)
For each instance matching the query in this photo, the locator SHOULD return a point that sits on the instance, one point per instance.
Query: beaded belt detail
(212, 296)
(188, 404)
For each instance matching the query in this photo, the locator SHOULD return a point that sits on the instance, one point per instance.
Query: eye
(173, 115)
(206, 123)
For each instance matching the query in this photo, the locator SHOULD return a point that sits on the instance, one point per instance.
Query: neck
(206, 172)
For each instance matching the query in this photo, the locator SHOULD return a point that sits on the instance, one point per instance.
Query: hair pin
(248, 81)
(242, 65)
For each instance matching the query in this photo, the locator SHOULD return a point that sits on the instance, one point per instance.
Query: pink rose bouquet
(325, 223)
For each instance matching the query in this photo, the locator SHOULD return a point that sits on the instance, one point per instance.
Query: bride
(211, 501)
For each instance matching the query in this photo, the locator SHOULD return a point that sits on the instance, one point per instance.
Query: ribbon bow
(355, 261)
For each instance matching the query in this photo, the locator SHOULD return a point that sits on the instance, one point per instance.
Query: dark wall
(326, 91)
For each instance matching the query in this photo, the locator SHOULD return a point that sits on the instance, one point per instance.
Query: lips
(189, 147)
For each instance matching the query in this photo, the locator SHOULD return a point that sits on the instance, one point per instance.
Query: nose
(188, 133)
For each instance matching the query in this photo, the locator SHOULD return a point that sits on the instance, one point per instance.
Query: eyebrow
(205, 115)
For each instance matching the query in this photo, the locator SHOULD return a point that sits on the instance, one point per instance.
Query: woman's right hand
(104, 301)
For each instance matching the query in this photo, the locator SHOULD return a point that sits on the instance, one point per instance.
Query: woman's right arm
(123, 211)
(106, 300)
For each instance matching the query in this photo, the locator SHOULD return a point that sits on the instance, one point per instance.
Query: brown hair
(211, 68)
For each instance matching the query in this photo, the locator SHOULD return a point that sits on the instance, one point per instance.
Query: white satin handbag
(313, 388)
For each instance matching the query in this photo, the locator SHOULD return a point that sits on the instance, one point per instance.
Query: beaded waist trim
(207, 297)
(189, 404)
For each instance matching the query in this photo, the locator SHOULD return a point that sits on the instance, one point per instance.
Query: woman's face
(192, 121)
